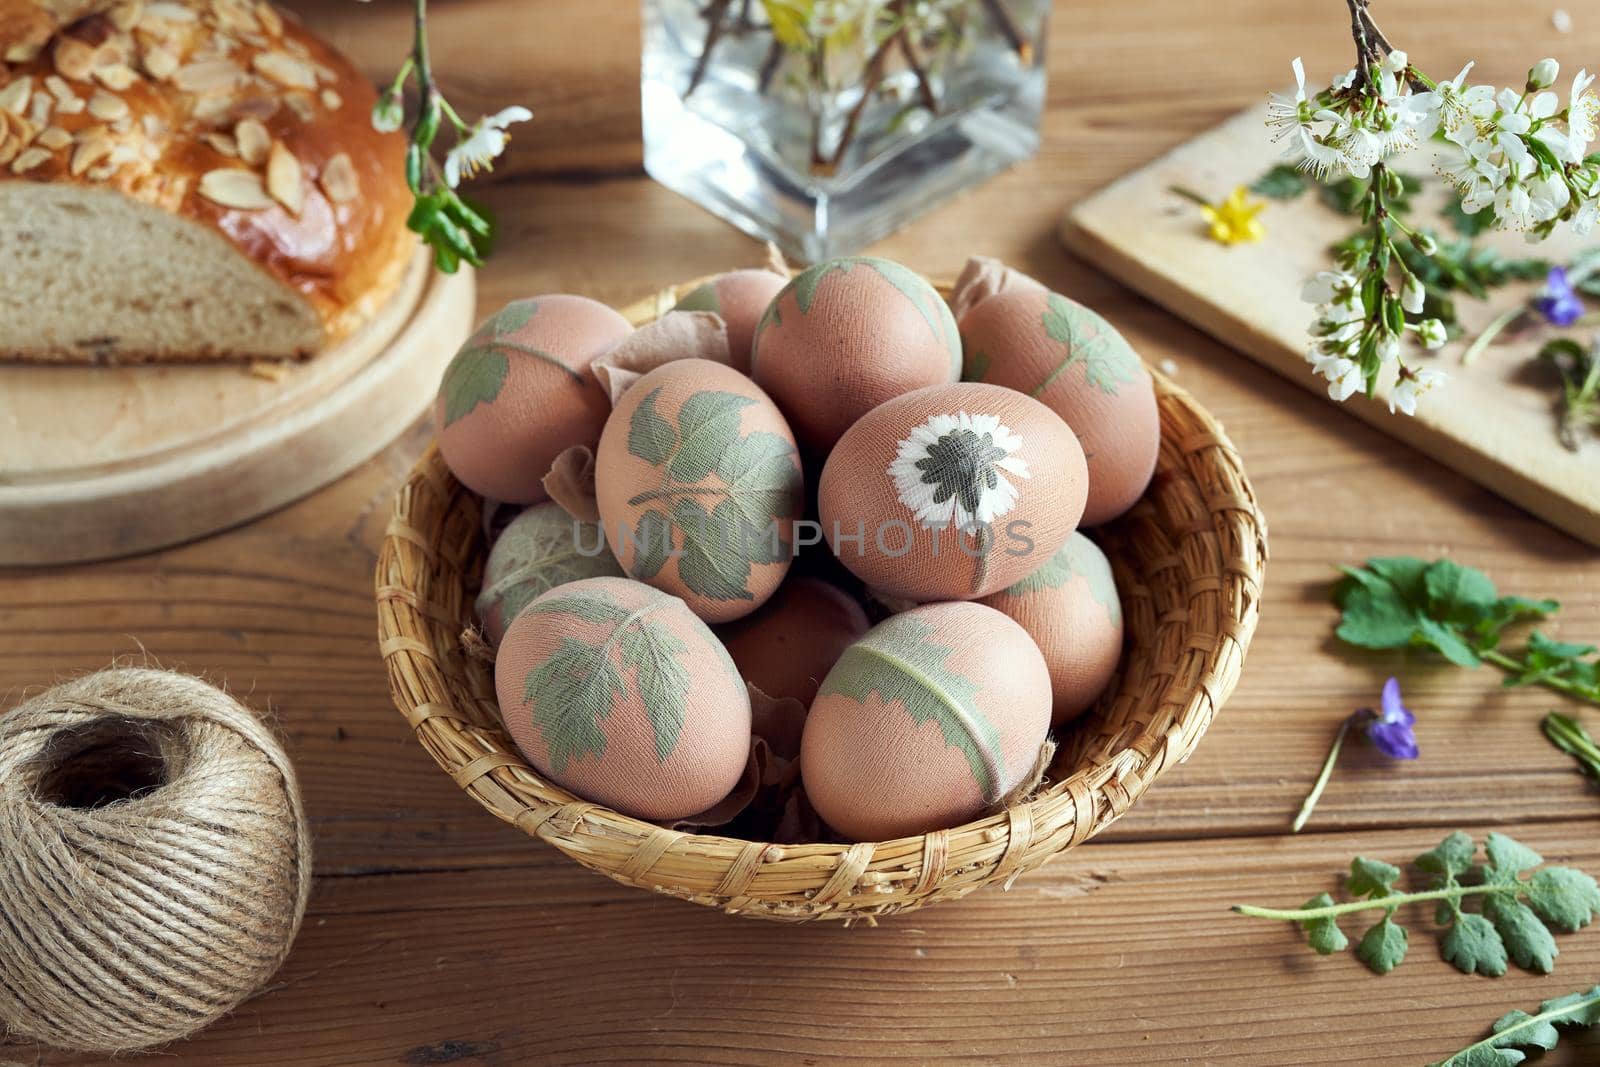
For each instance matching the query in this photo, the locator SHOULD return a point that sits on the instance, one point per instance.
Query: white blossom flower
(483, 146)
(1583, 110)
(1292, 118)
(1412, 384)
(952, 470)
(1344, 376)
(1583, 222)
(1331, 287)
(1431, 333)
(1543, 74)
(1412, 295)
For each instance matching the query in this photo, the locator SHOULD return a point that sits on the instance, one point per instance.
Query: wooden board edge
(108, 517)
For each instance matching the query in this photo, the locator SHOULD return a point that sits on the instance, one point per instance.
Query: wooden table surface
(438, 935)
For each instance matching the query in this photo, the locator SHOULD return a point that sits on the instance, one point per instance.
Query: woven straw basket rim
(1189, 562)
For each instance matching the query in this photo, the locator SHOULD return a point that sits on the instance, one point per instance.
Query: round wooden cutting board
(97, 462)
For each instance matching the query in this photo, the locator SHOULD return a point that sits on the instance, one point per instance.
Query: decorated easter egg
(620, 694)
(846, 335)
(519, 393)
(1077, 365)
(699, 484)
(540, 549)
(1071, 610)
(932, 719)
(952, 492)
(741, 298)
(787, 647)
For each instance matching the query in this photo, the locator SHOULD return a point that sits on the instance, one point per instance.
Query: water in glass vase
(823, 125)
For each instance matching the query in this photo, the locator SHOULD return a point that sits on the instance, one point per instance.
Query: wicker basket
(1189, 564)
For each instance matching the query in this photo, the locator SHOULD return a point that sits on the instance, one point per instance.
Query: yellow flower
(1234, 221)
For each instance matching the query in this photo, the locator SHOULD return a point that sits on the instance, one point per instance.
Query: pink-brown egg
(741, 298)
(787, 648)
(952, 492)
(618, 693)
(519, 393)
(847, 335)
(929, 721)
(699, 486)
(1079, 366)
(1071, 610)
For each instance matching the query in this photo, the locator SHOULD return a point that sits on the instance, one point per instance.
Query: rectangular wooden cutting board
(1495, 421)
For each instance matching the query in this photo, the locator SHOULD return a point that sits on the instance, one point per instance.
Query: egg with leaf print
(937, 716)
(1075, 363)
(699, 484)
(520, 392)
(740, 297)
(541, 548)
(1071, 609)
(619, 693)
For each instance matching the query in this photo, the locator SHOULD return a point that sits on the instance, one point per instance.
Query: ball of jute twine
(154, 860)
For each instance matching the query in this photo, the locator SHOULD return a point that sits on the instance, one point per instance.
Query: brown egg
(741, 298)
(699, 485)
(540, 549)
(1071, 610)
(846, 335)
(519, 393)
(787, 647)
(1077, 365)
(929, 721)
(952, 492)
(618, 693)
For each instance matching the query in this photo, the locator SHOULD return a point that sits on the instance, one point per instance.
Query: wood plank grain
(1118, 954)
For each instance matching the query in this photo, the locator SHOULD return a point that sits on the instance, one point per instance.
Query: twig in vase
(1010, 31)
(924, 85)
(769, 65)
(715, 15)
(873, 79)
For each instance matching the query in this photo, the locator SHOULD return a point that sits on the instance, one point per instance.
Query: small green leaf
(1527, 938)
(1282, 182)
(1452, 858)
(650, 437)
(1448, 642)
(1508, 858)
(1323, 934)
(1518, 1029)
(1566, 898)
(1458, 593)
(1383, 947)
(1473, 944)
(1371, 878)
(475, 376)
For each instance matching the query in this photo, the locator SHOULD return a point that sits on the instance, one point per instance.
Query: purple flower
(1558, 302)
(1390, 730)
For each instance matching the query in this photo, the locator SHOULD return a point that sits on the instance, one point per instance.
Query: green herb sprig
(1579, 368)
(1517, 1030)
(1404, 602)
(1569, 736)
(1511, 925)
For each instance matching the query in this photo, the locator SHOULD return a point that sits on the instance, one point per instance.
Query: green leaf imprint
(924, 297)
(712, 563)
(1108, 362)
(1078, 556)
(703, 298)
(540, 551)
(650, 437)
(577, 687)
(897, 660)
(976, 367)
(514, 316)
(708, 425)
(474, 377)
(758, 483)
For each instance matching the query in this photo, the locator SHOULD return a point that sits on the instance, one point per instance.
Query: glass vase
(823, 125)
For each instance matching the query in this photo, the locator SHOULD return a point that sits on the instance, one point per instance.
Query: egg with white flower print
(740, 297)
(619, 693)
(952, 492)
(846, 335)
(1071, 610)
(934, 718)
(1078, 365)
(540, 549)
(519, 393)
(699, 486)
